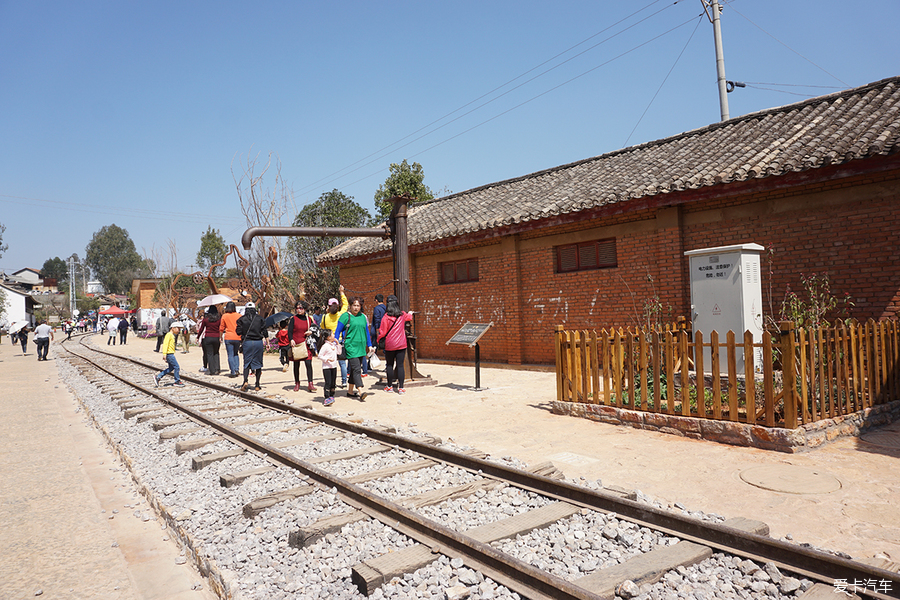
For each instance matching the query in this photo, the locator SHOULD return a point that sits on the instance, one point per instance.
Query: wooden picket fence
(835, 370)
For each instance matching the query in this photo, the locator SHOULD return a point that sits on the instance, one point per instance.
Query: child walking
(168, 350)
(328, 354)
(284, 345)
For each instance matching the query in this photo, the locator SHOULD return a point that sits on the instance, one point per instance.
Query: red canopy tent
(115, 310)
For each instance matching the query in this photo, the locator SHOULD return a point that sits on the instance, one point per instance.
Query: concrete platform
(68, 506)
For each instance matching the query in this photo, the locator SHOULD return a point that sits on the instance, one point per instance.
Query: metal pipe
(253, 232)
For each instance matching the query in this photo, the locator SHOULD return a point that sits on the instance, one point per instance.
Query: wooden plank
(133, 412)
(571, 393)
(642, 365)
(670, 373)
(700, 374)
(657, 375)
(168, 435)
(825, 406)
(232, 479)
(768, 380)
(351, 454)
(845, 370)
(748, 525)
(560, 373)
(731, 358)
(300, 538)
(628, 369)
(605, 357)
(788, 360)
(199, 462)
(804, 390)
(251, 509)
(585, 365)
(685, 380)
(716, 371)
(644, 568)
(749, 378)
(392, 471)
(595, 369)
(188, 445)
(373, 573)
(618, 358)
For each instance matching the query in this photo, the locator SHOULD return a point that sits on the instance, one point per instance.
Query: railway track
(277, 501)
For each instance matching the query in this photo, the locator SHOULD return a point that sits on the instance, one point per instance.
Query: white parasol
(17, 326)
(214, 299)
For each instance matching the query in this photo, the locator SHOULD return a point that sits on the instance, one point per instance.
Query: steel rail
(517, 575)
(815, 564)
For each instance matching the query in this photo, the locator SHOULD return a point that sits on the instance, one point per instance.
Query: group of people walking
(341, 338)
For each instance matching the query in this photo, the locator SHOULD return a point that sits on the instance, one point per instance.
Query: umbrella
(115, 310)
(278, 317)
(17, 326)
(214, 299)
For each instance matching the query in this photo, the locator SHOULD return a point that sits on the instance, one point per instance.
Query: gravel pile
(255, 561)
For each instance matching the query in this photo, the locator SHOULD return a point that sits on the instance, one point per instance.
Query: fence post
(560, 370)
(788, 359)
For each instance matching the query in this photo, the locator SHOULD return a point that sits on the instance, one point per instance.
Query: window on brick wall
(459, 271)
(599, 254)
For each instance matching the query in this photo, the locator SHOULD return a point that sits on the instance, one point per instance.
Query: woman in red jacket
(298, 331)
(209, 329)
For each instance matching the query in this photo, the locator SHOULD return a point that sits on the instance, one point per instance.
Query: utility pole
(71, 287)
(720, 56)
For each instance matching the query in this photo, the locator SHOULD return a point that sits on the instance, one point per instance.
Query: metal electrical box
(726, 295)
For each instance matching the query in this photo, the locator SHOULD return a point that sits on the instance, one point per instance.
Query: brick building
(585, 244)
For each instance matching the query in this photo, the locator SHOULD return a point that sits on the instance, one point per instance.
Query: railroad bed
(275, 501)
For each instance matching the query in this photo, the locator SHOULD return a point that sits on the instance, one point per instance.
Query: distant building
(19, 304)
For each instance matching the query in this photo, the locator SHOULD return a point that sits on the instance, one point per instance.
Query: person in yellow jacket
(330, 322)
(168, 350)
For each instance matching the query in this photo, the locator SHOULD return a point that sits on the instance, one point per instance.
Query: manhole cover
(791, 479)
(888, 437)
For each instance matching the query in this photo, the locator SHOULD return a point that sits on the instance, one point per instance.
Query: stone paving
(68, 506)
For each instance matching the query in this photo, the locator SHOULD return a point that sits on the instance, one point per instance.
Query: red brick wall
(846, 228)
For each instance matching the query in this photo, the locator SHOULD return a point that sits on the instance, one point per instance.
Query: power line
(666, 78)
(112, 210)
(333, 177)
(544, 93)
(731, 5)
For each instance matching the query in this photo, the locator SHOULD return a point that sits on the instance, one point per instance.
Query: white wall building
(19, 305)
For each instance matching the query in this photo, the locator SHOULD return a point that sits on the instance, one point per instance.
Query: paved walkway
(845, 496)
(67, 505)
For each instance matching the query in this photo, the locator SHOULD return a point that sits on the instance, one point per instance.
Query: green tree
(55, 268)
(404, 179)
(212, 251)
(112, 258)
(332, 209)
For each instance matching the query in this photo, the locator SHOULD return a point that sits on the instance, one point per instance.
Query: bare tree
(174, 290)
(265, 206)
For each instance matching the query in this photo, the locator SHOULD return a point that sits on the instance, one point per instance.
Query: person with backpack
(252, 329)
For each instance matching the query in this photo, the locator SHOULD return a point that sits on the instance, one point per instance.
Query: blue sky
(135, 114)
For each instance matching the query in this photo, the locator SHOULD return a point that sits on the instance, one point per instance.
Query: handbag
(300, 352)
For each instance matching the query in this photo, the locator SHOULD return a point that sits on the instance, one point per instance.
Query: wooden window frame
(470, 265)
(605, 256)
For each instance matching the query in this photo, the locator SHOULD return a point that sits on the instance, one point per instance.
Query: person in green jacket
(353, 327)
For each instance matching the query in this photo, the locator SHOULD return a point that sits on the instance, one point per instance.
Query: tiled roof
(827, 130)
